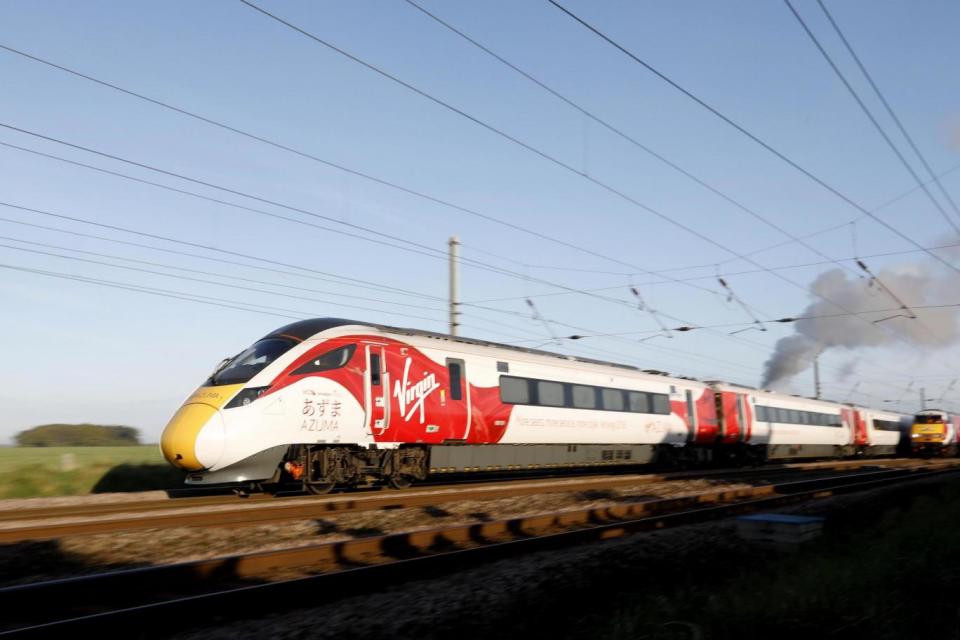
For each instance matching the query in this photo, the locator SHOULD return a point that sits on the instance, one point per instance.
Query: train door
(729, 427)
(377, 391)
(691, 416)
(457, 403)
(734, 417)
(861, 429)
(742, 418)
(854, 427)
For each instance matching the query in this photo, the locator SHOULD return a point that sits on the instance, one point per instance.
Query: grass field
(894, 578)
(56, 471)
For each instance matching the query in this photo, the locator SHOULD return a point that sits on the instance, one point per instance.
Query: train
(329, 402)
(934, 432)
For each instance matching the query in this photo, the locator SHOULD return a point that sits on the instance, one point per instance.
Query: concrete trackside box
(779, 530)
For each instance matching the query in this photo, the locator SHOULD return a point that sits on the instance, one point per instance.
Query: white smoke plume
(846, 370)
(915, 285)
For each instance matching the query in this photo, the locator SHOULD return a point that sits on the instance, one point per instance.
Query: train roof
(305, 329)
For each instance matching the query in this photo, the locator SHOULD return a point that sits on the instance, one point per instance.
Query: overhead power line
(149, 263)
(334, 165)
(306, 274)
(305, 155)
(782, 320)
(439, 255)
(544, 155)
(166, 293)
(330, 301)
(890, 111)
(746, 132)
(726, 274)
(660, 157)
(606, 257)
(228, 252)
(866, 111)
(770, 247)
(196, 245)
(762, 143)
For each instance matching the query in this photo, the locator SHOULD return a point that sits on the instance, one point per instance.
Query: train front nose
(194, 438)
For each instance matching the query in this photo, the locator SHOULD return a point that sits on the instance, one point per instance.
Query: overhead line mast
(454, 320)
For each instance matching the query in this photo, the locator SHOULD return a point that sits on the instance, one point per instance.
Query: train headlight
(245, 397)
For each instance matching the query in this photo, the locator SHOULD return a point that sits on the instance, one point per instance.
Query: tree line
(78, 435)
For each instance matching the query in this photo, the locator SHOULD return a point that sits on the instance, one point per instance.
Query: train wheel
(400, 482)
(319, 488)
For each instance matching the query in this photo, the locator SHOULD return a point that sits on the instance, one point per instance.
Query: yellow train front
(933, 434)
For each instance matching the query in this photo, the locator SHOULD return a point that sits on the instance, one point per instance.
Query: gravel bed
(33, 561)
(548, 593)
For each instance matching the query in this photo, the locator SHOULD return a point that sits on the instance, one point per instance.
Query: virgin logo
(411, 397)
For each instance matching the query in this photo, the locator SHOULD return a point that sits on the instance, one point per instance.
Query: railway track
(48, 523)
(163, 599)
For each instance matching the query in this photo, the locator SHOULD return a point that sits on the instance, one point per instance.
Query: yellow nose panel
(179, 439)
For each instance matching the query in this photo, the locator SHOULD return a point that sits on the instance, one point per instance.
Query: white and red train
(330, 402)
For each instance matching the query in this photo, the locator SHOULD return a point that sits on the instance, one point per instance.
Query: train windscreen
(251, 361)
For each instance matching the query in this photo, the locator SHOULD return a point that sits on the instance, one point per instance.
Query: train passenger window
(455, 369)
(514, 390)
(612, 399)
(330, 360)
(375, 369)
(550, 394)
(794, 417)
(886, 425)
(834, 421)
(782, 415)
(805, 417)
(584, 397)
(661, 403)
(639, 402)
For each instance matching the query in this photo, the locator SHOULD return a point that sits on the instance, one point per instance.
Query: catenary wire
(890, 111)
(866, 111)
(747, 133)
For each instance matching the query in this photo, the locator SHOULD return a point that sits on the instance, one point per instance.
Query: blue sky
(76, 351)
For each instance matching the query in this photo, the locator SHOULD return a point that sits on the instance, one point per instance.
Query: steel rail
(163, 598)
(232, 512)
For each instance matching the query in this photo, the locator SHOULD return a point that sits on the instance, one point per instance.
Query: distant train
(329, 402)
(934, 432)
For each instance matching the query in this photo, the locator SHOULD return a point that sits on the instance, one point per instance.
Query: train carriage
(794, 427)
(885, 430)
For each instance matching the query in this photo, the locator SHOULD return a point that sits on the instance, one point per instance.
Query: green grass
(57, 471)
(895, 578)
